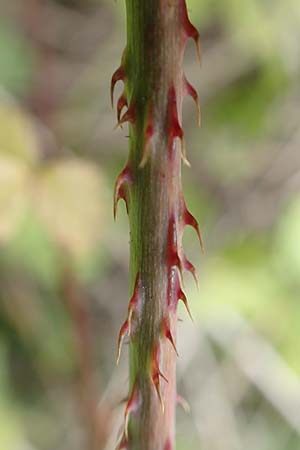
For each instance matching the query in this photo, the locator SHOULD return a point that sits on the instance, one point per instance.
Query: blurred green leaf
(16, 59)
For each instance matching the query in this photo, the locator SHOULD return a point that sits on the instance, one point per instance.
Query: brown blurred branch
(97, 421)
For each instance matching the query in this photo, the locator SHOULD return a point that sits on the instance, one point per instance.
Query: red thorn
(175, 130)
(156, 373)
(119, 75)
(183, 403)
(131, 406)
(129, 116)
(122, 102)
(182, 297)
(167, 332)
(146, 150)
(190, 90)
(126, 327)
(189, 219)
(122, 333)
(173, 255)
(124, 180)
(190, 268)
(189, 30)
(133, 304)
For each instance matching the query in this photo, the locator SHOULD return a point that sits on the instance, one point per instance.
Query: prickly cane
(150, 185)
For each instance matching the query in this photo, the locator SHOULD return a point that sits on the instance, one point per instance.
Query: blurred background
(64, 263)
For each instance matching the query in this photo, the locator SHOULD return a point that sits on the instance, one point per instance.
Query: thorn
(189, 30)
(170, 337)
(173, 255)
(190, 268)
(175, 130)
(190, 90)
(126, 420)
(124, 180)
(182, 297)
(183, 152)
(133, 302)
(132, 405)
(156, 373)
(183, 403)
(173, 241)
(189, 219)
(168, 334)
(119, 75)
(129, 116)
(124, 329)
(122, 102)
(135, 295)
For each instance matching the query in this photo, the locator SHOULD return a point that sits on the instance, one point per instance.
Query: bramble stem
(150, 184)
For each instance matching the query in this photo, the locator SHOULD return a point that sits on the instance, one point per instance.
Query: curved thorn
(183, 152)
(129, 116)
(133, 301)
(126, 420)
(168, 334)
(119, 194)
(189, 29)
(182, 297)
(170, 337)
(130, 312)
(175, 129)
(119, 75)
(173, 257)
(122, 102)
(124, 329)
(191, 268)
(131, 406)
(191, 91)
(124, 180)
(156, 373)
(189, 219)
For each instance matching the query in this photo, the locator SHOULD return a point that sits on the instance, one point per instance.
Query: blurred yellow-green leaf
(70, 200)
